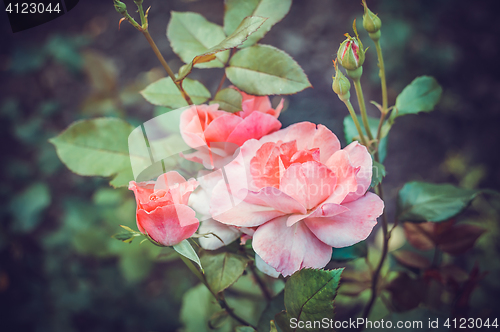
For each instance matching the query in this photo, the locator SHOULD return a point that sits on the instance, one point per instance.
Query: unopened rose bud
(371, 23)
(138, 2)
(341, 84)
(120, 7)
(351, 55)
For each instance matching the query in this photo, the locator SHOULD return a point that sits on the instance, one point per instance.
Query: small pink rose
(210, 130)
(162, 211)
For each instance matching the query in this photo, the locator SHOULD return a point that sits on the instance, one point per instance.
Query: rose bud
(371, 23)
(120, 7)
(162, 211)
(341, 84)
(351, 55)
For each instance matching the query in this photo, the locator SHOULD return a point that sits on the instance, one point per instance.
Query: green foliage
(349, 253)
(248, 26)
(197, 308)
(164, 92)
(378, 173)
(229, 100)
(266, 70)
(309, 296)
(97, 147)
(237, 10)
(27, 207)
(244, 329)
(222, 269)
(421, 95)
(185, 249)
(351, 134)
(420, 201)
(190, 34)
(276, 305)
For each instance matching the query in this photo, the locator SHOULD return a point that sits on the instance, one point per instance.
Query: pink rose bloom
(204, 125)
(304, 194)
(162, 211)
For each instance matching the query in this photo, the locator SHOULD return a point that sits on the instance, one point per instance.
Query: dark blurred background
(59, 268)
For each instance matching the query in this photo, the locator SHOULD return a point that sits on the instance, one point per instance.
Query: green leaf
(223, 269)
(164, 92)
(351, 133)
(190, 34)
(309, 296)
(185, 249)
(274, 307)
(266, 70)
(229, 100)
(97, 147)
(349, 253)
(378, 173)
(420, 201)
(420, 96)
(27, 207)
(124, 237)
(218, 319)
(236, 10)
(248, 26)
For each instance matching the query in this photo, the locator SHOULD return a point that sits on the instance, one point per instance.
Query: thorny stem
(354, 117)
(221, 82)
(384, 88)
(260, 282)
(144, 29)
(385, 248)
(219, 297)
(362, 106)
(223, 79)
(165, 65)
(230, 311)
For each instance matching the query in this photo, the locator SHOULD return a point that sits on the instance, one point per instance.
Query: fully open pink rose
(162, 211)
(210, 130)
(304, 194)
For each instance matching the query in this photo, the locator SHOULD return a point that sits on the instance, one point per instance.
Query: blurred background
(59, 268)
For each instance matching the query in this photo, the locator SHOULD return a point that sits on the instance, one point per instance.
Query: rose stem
(261, 283)
(384, 88)
(354, 117)
(144, 29)
(362, 107)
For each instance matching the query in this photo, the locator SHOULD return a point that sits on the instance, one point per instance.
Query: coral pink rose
(162, 211)
(202, 126)
(304, 194)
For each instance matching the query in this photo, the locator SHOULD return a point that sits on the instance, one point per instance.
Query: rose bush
(303, 194)
(162, 212)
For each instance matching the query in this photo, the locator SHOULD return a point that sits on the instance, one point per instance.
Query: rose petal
(168, 225)
(360, 157)
(309, 183)
(341, 165)
(350, 227)
(255, 126)
(265, 268)
(221, 128)
(326, 141)
(230, 210)
(289, 249)
(224, 232)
